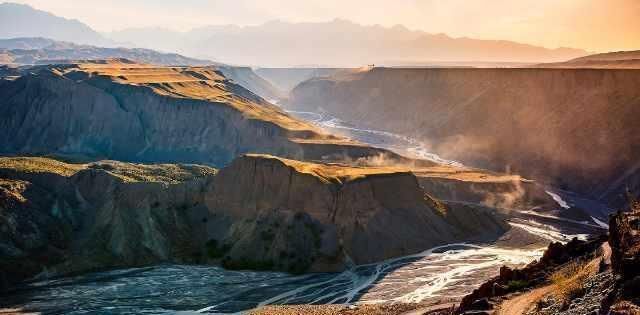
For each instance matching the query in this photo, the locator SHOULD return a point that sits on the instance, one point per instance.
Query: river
(443, 272)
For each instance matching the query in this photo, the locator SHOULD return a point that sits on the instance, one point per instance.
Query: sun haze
(593, 25)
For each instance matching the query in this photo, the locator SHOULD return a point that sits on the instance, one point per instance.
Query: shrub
(516, 285)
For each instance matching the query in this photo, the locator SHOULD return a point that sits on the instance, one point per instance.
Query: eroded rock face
(117, 109)
(354, 213)
(624, 238)
(260, 212)
(571, 127)
(60, 218)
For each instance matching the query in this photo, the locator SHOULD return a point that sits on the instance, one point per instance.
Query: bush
(516, 285)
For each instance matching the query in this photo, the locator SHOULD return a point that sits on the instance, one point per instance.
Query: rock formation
(259, 212)
(121, 110)
(609, 283)
(574, 128)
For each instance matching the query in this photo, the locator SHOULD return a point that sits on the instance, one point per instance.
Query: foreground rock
(593, 277)
(260, 212)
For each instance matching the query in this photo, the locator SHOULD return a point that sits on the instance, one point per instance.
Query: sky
(594, 25)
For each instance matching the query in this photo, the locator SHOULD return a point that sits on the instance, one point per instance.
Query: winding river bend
(443, 272)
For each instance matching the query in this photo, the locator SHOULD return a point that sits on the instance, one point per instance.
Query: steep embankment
(120, 110)
(573, 127)
(260, 212)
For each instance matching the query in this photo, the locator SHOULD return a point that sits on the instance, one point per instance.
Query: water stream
(442, 272)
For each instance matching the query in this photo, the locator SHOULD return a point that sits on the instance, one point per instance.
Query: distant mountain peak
(21, 20)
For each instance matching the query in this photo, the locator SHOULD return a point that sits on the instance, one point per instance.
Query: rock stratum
(574, 128)
(121, 110)
(259, 212)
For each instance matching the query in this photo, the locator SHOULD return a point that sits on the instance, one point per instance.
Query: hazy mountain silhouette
(334, 43)
(19, 20)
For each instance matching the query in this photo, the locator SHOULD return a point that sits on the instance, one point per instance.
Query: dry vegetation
(168, 173)
(128, 172)
(40, 164)
(569, 281)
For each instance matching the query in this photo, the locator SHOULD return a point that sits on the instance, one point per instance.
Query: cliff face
(260, 212)
(60, 218)
(366, 214)
(573, 127)
(120, 110)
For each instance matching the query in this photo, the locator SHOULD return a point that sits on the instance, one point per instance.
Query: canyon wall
(575, 128)
(260, 212)
(116, 109)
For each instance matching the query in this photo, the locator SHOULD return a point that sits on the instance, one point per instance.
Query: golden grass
(128, 172)
(569, 280)
(40, 165)
(166, 173)
(345, 172)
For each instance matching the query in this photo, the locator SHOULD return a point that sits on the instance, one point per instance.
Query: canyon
(326, 203)
(572, 128)
(278, 168)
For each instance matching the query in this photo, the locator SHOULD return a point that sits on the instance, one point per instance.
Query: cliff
(259, 212)
(574, 128)
(117, 109)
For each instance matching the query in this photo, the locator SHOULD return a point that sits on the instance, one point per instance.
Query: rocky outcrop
(356, 214)
(58, 218)
(117, 109)
(571, 127)
(624, 238)
(260, 212)
(535, 274)
(610, 287)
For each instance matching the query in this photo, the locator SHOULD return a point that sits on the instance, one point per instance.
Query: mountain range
(19, 20)
(333, 43)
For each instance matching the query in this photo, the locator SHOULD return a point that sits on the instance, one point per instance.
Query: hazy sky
(595, 25)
